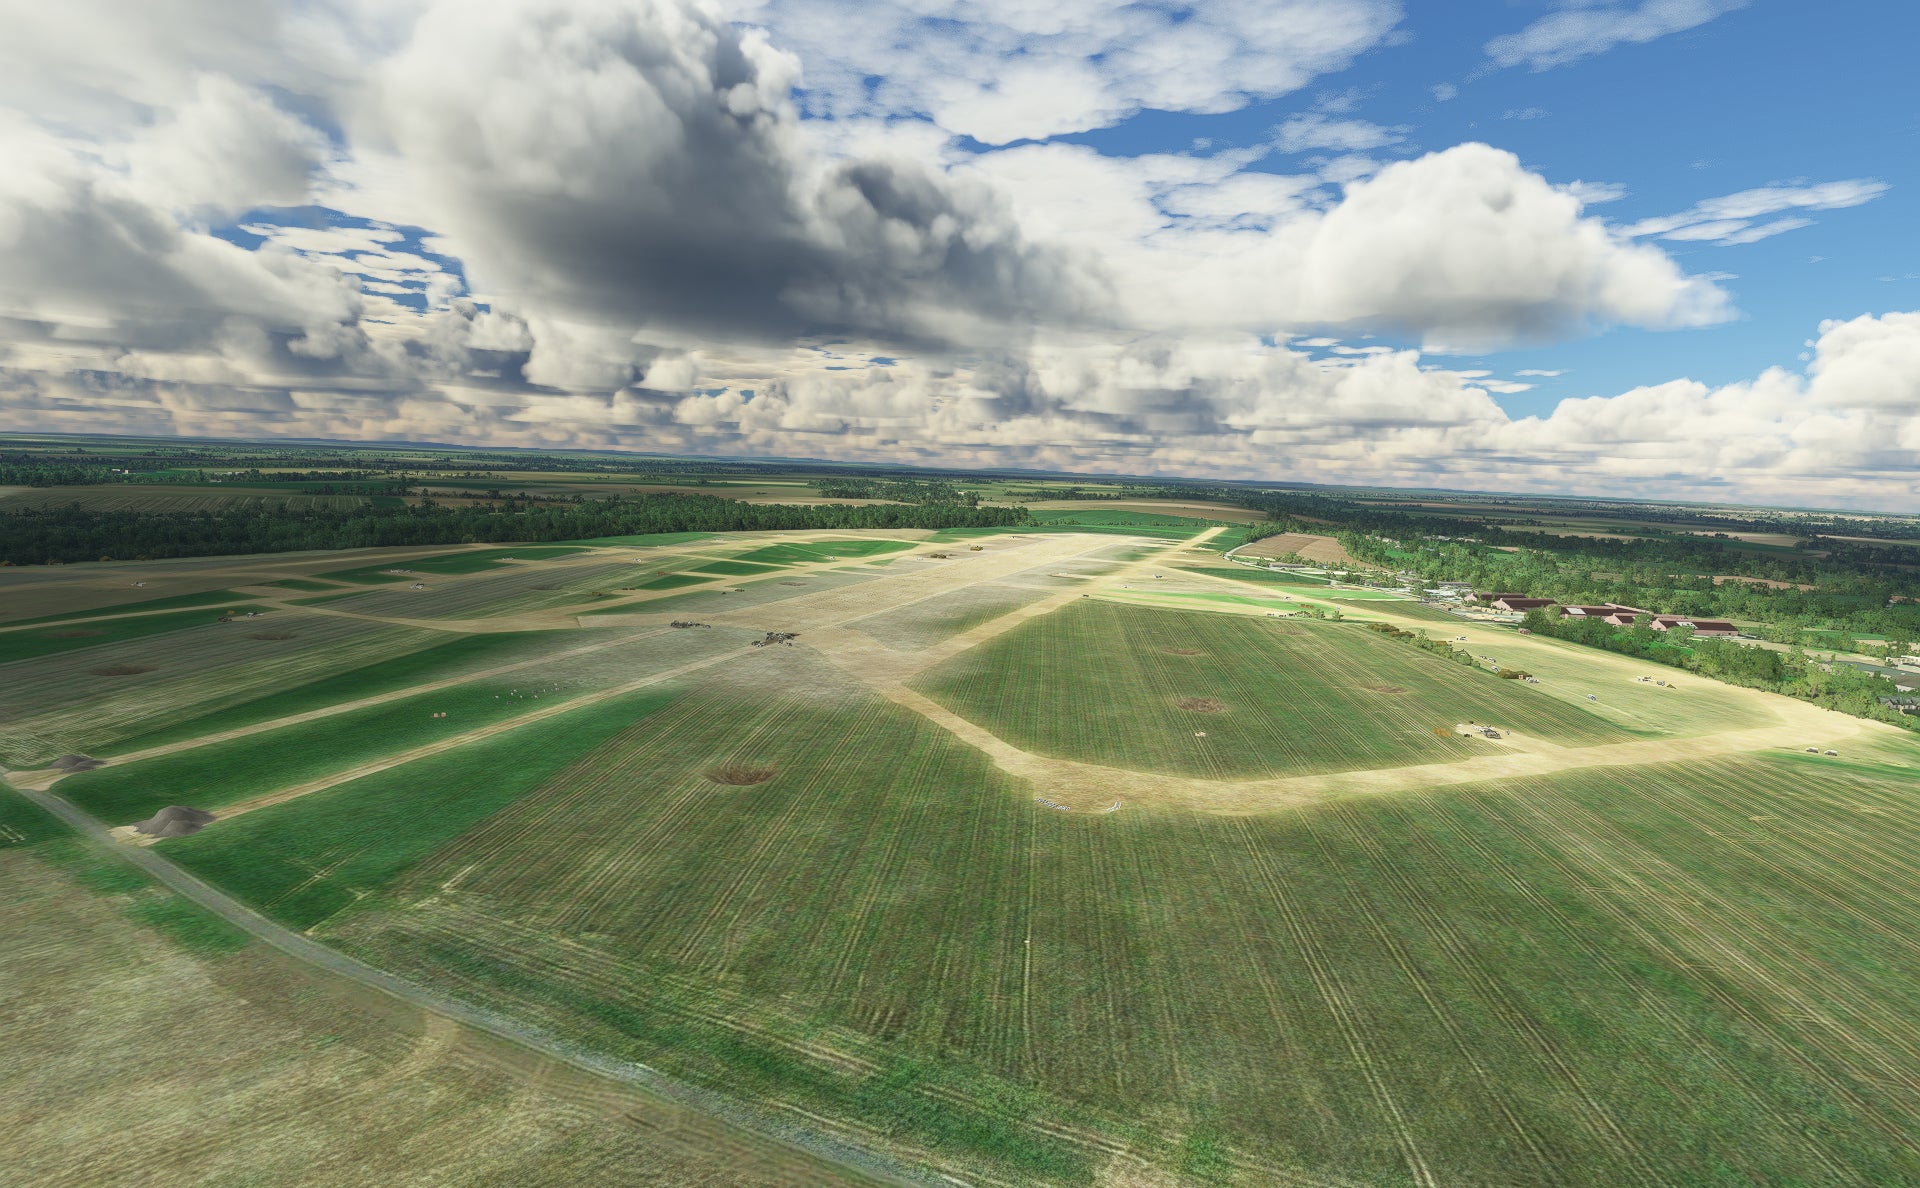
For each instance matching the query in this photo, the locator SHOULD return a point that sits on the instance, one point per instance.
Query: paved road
(868, 1164)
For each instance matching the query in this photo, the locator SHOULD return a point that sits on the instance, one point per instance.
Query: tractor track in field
(869, 1164)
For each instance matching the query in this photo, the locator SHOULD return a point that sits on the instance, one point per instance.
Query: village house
(1518, 604)
(1703, 627)
(1611, 612)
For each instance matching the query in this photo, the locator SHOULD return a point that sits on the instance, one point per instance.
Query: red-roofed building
(1706, 627)
(1518, 604)
(1609, 612)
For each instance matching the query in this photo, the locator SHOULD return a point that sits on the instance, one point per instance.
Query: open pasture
(441, 659)
(305, 859)
(823, 550)
(760, 592)
(58, 704)
(1100, 681)
(1275, 577)
(510, 589)
(227, 773)
(736, 568)
(926, 623)
(776, 880)
(81, 639)
(1631, 976)
(285, 1075)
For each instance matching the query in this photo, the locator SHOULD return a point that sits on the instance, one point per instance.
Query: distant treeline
(67, 534)
(926, 491)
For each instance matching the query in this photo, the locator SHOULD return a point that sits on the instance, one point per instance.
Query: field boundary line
(295, 791)
(46, 778)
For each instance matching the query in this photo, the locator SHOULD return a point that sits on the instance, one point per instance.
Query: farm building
(1707, 627)
(1489, 597)
(1905, 705)
(1518, 604)
(1609, 612)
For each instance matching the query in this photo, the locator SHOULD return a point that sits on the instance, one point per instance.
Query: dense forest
(66, 534)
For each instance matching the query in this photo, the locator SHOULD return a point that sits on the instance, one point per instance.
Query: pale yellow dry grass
(130, 1060)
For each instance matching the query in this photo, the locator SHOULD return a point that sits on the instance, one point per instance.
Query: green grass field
(1567, 981)
(302, 861)
(476, 561)
(673, 581)
(767, 878)
(175, 602)
(436, 661)
(825, 550)
(1241, 573)
(1101, 681)
(53, 639)
(736, 567)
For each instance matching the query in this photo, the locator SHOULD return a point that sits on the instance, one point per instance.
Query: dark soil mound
(74, 763)
(740, 775)
(1201, 705)
(123, 670)
(176, 820)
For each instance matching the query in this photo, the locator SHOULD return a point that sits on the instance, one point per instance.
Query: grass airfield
(1020, 863)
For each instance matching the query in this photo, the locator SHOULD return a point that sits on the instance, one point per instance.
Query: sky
(1628, 248)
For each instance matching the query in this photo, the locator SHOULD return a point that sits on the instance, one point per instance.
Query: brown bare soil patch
(271, 635)
(740, 775)
(77, 633)
(1384, 688)
(123, 670)
(1185, 652)
(1201, 705)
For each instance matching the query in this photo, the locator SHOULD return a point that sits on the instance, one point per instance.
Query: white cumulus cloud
(1580, 29)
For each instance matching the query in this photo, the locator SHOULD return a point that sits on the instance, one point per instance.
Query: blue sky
(1594, 246)
(1768, 94)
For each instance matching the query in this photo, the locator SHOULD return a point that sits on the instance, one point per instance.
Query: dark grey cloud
(641, 165)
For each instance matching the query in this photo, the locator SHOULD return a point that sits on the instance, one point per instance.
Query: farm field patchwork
(924, 624)
(53, 639)
(783, 876)
(138, 606)
(509, 590)
(824, 550)
(221, 774)
(435, 661)
(53, 705)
